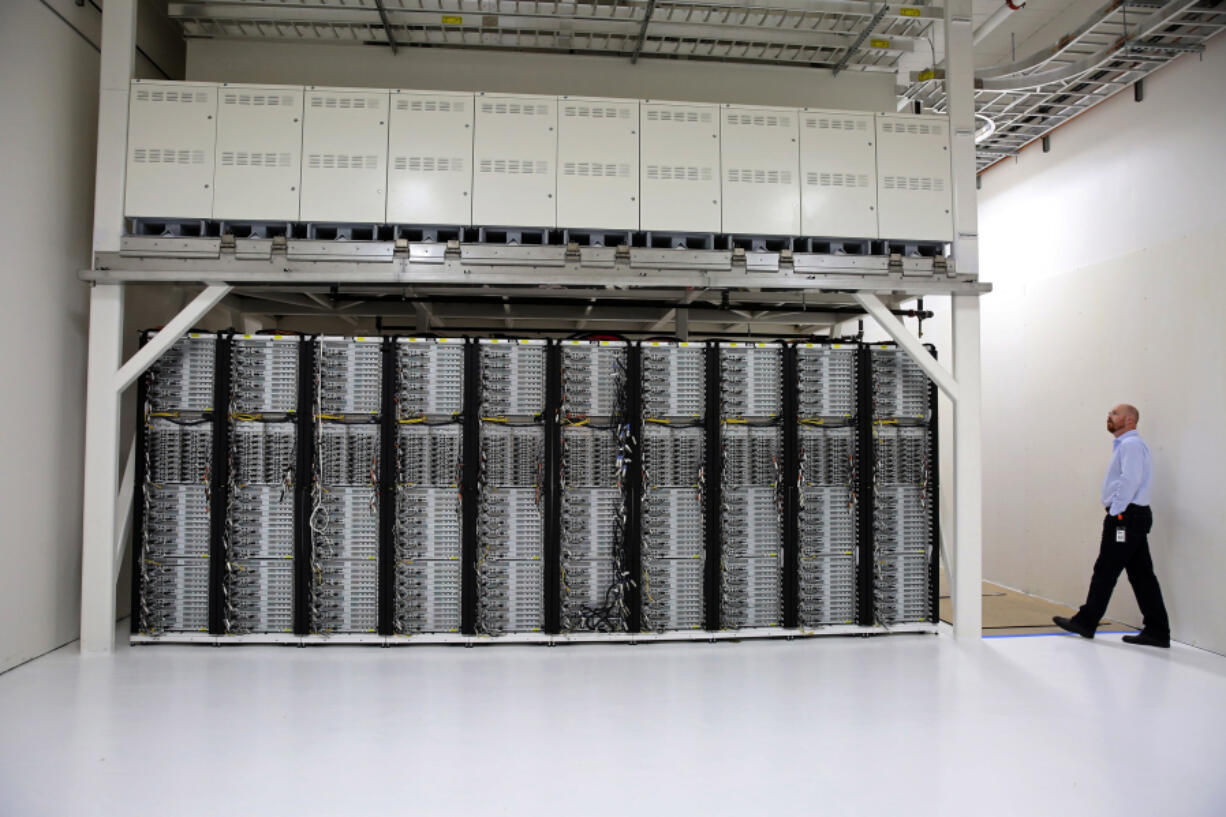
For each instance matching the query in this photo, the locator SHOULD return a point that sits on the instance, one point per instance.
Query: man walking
(1125, 543)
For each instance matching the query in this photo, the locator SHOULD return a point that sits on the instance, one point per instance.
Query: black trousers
(1132, 555)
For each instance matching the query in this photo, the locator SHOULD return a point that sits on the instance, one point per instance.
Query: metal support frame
(109, 496)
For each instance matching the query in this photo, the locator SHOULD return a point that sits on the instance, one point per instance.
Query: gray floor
(906, 725)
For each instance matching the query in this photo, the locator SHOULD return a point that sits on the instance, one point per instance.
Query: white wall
(49, 92)
(474, 70)
(1106, 258)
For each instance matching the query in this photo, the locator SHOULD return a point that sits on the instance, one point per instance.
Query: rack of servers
(419, 489)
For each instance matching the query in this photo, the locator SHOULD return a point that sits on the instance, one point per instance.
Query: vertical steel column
(102, 402)
(138, 502)
(968, 436)
(219, 488)
(967, 592)
(304, 479)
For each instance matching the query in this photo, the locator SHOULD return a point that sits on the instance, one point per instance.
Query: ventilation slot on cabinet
(836, 179)
(343, 102)
(242, 158)
(918, 184)
(669, 173)
(595, 112)
(429, 105)
(681, 117)
(172, 96)
(167, 156)
(428, 164)
(256, 100)
(760, 176)
(342, 161)
(760, 120)
(521, 167)
(514, 108)
(913, 128)
(829, 123)
(596, 170)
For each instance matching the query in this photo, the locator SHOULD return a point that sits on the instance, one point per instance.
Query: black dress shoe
(1147, 640)
(1073, 626)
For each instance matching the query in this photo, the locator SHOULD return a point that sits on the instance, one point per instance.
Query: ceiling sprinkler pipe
(990, 24)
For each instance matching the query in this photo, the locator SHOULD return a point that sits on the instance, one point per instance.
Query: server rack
(828, 490)
(593, 578)
(262, 406)
(176, 530)
(428, 505)
(904, 488)
(675, 491)
(346, 480)
(752, 484)
(511, 487)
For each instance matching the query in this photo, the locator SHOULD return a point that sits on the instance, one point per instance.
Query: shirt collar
(1116, 442)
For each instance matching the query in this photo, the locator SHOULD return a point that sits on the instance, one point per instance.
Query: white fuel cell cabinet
(430, 149)
(515, 151)
(679, 176)
(760, 161)
(913, 178)
(838, 174)
(259, 152)
(344, 155)
(172, 130)
(598, 163)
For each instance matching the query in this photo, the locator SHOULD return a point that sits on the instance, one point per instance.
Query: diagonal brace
(892, 325)
(168, 335)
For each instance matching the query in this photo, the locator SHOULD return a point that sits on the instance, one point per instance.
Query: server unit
(595, 447)
(673, 504)
(515, 151)
(174, 536)
(914, 190)
(598, 163)
(344, 155)
(838, 172)
(345, 496)
(828, 507)
(428, 528)
(751, 484)
(760, 157)
(904, 489)
(259, 153)
(262, 469)
(679, 180)
(430, 149)
(171, 142)
(511, 486)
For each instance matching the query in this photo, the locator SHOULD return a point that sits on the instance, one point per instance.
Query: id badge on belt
(1119, 535)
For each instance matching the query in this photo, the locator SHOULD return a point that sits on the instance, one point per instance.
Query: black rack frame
(468, 491)
(632, 489)
(219, 487)
(791, 490)
(388, 433)
(552, 545)
(866, 466)
(712, 496)
(304, 478)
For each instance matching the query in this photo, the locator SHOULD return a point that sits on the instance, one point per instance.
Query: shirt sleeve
(1132, 466)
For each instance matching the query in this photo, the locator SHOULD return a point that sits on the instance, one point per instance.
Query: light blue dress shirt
(1129, 475)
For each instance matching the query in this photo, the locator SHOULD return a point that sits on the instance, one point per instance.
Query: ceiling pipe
(990, 24)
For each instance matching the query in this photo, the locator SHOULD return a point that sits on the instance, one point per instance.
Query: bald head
(1123, 418)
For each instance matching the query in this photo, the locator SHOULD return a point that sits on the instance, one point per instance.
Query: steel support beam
(102, 418)
(168, 335)
(123, 506)
(967, 590)
(910, 343)
(102, 401)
